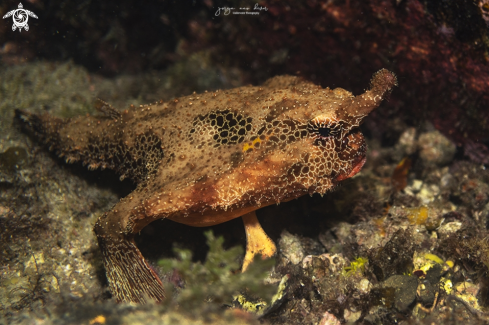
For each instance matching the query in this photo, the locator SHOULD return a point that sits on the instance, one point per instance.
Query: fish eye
(320, 128)
(324, 132)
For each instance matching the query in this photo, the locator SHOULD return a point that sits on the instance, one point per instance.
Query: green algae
(213, 284)
(358, 265)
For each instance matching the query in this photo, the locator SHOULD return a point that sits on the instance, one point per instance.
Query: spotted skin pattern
(208, 158)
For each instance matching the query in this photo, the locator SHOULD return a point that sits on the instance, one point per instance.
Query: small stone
(329, 319)
(416, 186)
(291, 247)
(333, 262)
(405, 290)
(428, 193)
(364, 286)
(435, 148)
(433, 275)
(426, 293)
(407, 141)
(447, 181)
(4, 210)
(450, 227)
(474, 192)
(351, 316)
(467, 291)
(31, 266)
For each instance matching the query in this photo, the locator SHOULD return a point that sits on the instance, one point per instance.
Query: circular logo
(20, 17)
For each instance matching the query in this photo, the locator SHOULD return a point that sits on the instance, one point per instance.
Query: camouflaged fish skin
(208, 158)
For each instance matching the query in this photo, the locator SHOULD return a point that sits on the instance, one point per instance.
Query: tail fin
(44, 127)
(29, 122)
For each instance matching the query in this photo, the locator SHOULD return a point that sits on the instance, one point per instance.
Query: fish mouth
(352, 150)
(358, 163)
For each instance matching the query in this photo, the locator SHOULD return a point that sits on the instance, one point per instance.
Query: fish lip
(357, 167)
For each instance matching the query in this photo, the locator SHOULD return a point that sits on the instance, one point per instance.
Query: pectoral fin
(257, 241)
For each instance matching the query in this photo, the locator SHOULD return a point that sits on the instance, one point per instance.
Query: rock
(351, 316)
(329, 319)
(291, 247)
(448, 228)
(435, 148)
(426, 293)
(405, 290)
